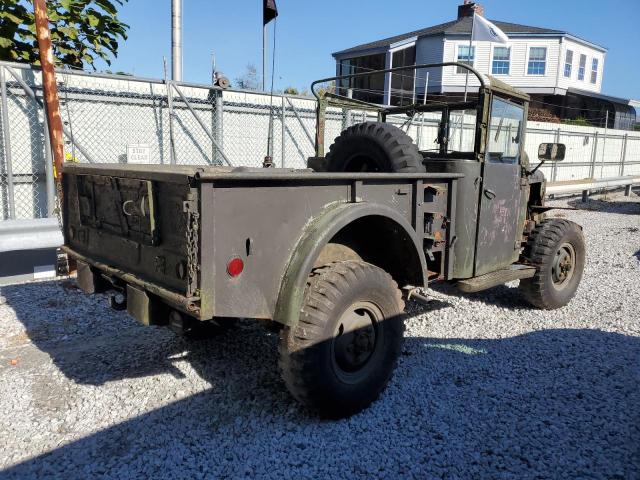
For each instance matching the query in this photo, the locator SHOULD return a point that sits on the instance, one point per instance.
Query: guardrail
(588, 184)
(29, 234)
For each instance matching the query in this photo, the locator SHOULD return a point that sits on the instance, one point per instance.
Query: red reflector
(235, 266)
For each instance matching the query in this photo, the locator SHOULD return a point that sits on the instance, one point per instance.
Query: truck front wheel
(556, 248)
(341, 353)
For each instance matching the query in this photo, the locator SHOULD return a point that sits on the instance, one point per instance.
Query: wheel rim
(355, 341)
(563, 265)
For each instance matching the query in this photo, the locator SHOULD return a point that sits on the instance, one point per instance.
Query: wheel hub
(355, 337)
(563, 265)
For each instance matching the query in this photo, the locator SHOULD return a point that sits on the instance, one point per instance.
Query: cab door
(499, 229)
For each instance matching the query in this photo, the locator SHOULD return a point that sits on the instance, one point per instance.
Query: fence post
(623, 155)
(219, 132)
(554, 172)
(7, 146)
(283, 119)
(48, 168)
(594, 154)
(346, 112)
(172, 144)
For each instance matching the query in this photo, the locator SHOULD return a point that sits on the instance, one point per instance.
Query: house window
(501, 56)
(466, 55)
(402, 82)
(568, 63)
(594, 70)
(582, 66)
(369, 88)
(537, 61)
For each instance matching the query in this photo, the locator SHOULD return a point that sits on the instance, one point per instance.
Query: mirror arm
(531, 172)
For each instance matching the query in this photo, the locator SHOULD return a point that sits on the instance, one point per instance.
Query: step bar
(482, 282)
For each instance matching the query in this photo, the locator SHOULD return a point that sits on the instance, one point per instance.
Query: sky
(308, 32)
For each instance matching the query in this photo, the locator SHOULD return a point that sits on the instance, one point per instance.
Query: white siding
(591, 53)
(518, 76)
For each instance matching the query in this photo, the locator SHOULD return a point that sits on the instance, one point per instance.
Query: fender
(316, 235)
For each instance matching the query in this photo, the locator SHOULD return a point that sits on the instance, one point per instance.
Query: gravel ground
(486, 387)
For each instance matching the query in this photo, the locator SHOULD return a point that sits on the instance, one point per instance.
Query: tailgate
(142, 226)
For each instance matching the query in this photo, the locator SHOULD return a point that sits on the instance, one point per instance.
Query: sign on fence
(138, 153)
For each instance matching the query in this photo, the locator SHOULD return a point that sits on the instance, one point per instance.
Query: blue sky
(307, 33)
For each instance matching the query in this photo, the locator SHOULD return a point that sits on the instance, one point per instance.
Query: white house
(561, 71)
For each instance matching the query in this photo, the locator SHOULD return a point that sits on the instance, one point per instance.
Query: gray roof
(454, 27)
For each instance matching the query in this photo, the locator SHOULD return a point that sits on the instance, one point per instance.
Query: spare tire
(374, 147)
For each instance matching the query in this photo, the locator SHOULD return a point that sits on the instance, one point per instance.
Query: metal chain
(192, 237)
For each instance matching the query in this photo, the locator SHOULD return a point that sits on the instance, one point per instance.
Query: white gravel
(486, 387)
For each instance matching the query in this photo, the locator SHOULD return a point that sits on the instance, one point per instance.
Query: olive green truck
(330, 253)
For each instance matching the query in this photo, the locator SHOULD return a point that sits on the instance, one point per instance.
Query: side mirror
(551, 152)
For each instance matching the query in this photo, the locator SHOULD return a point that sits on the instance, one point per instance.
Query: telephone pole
(52, 104)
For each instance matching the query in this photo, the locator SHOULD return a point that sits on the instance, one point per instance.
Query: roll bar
(397, 69)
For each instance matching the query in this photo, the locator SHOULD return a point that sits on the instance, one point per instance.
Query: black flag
(269, 11)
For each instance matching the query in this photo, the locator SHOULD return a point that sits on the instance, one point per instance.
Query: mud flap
(89, 280)
(144, 308)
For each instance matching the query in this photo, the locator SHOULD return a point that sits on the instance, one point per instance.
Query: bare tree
(249, 79)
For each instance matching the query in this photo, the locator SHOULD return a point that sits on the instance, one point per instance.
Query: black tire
(556, 247)
(350, 304)
(374, 147)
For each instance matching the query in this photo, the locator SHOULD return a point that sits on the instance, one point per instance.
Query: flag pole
(264, 56)
(466, 80)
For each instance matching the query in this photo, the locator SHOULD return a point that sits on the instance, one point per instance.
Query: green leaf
(93, 20)
(107, 6)
(14, 18)
(5, 42)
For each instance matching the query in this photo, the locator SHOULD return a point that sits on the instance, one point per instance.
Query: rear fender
(318, 233)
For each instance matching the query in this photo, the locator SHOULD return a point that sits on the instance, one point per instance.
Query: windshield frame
(521, 131)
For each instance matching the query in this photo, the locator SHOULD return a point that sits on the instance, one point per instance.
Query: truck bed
(170, 230)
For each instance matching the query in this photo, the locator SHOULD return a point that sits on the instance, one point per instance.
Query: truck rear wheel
(374, 147)
(556, 247)
(340, 355)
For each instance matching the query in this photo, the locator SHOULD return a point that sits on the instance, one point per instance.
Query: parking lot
(486, 386)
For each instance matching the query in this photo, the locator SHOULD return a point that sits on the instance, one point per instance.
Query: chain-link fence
(117, 119)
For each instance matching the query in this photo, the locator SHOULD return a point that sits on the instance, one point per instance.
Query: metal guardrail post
(623, 155)
(7, 146)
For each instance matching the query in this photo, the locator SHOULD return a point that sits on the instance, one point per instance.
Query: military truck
(330, 253)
